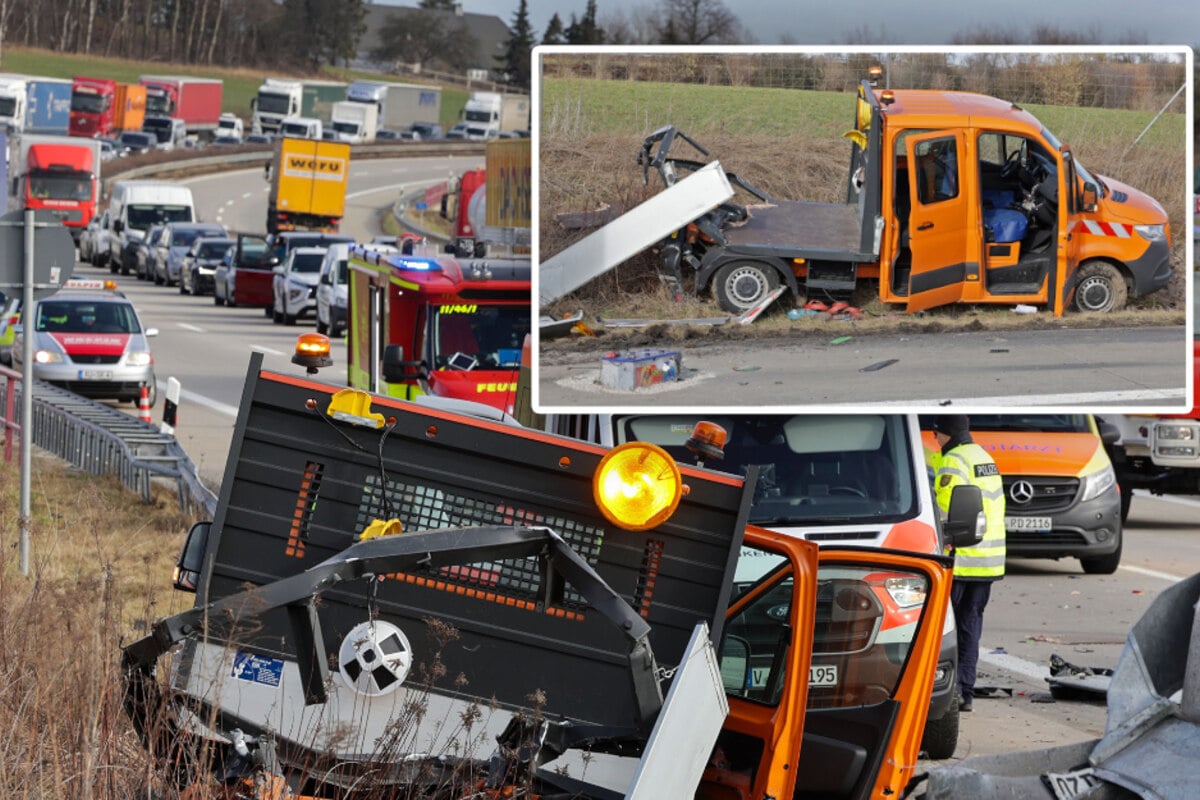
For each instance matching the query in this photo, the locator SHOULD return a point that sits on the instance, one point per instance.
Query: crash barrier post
(171, 406)
(8, 419)
(104, 441)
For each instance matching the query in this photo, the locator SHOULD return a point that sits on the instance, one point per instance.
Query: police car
(89, 340)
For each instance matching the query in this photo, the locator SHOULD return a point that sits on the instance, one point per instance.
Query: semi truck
(308, 185)
(278, 98)
(103, 107)
(354, 123)
(196, 101)
(399, 104)
(444, 326)
(490, 208)
(12, 102)
(488, 114)
(395, 599)
(950, 197)
(60, 174)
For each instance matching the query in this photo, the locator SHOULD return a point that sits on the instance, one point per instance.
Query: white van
(133, 207)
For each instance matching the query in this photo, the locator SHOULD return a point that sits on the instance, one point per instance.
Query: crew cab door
(941, 237)
(832, 701)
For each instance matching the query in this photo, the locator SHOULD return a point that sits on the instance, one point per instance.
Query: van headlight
(907, 592)
(1151, 233)
(1097, 484)
(139, 358)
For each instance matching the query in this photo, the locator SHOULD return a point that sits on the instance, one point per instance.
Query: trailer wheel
(741, 285)
(941, 735)
(1101, 287)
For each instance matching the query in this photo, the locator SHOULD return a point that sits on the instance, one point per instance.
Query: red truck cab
(61, 178)
(92, 106)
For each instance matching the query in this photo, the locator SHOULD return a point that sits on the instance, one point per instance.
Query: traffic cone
(144, 406)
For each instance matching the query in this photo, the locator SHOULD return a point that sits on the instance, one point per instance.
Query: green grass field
(240, 84)
(581, 107)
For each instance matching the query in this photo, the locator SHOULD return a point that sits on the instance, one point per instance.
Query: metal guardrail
(103, 441)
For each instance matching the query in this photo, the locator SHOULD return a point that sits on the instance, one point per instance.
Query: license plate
(95, 375)
(818, 675)
(822, 675)
(1037, 524)
(1069, 785)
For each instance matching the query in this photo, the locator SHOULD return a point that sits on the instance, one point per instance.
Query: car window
(307, 262)
(84, 316)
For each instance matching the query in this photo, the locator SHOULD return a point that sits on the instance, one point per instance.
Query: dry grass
(100, 568)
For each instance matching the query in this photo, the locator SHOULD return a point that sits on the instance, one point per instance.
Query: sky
(1172, 21)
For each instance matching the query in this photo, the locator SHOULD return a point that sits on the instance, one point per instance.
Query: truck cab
(230, 125)
(275, 100)
(301, 128)
(168, 132)
(13, 101)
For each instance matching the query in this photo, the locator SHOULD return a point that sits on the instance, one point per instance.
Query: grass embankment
(240, 84)
(789, 143)
(100, 571)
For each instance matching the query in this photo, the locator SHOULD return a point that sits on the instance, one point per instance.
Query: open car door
(843, 719)
(939, 226)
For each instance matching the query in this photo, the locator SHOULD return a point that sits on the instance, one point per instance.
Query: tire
(275, 316)
(322, 327)
(112, 267)
(289, 319)
(741, 285)
(217, 299)
(158, 281)
(1126, 502)
(941, 735)
(1103, 565)
(183, 289)
(1100, 287)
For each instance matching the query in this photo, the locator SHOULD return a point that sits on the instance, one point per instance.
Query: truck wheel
(1103, 565)
(941, 735)
(741, 285)
(1100, 288)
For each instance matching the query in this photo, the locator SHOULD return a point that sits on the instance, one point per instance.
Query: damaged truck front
(393, 600)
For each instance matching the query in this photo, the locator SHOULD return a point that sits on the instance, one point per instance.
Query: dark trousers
(969, 598)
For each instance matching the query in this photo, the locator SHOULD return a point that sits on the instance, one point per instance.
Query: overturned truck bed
(499, 605)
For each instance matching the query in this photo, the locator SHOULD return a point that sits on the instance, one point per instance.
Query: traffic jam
(744, 606)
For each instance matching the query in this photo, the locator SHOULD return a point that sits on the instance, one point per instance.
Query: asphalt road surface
(1143, 368)
(1050, 607)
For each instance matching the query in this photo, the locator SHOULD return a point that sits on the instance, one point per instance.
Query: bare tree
(698, 22)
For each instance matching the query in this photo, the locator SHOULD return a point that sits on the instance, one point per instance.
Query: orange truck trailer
(950, 197)
(581, 617)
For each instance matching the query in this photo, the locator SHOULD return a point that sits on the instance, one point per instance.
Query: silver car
(89, 340)
(295, 284)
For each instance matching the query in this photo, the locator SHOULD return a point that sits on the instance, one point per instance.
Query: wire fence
(1129, 81)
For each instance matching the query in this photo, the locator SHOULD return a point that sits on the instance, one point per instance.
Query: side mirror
(151, 332)
(191, 558)
(326, 280)
(1109, 433)
(396, 369)
(118, 226)
(1088, 198)
(965, 523)
(734, 661)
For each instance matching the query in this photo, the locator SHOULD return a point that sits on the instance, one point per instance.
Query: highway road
(1050, 607)
(207, 347)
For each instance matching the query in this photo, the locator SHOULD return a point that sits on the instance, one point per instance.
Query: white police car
(88, 339)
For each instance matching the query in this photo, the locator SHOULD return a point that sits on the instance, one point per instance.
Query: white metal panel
(634, 231)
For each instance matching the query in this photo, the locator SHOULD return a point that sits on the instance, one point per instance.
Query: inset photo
(740, 228)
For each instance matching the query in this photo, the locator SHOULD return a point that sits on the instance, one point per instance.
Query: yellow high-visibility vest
(970, 464)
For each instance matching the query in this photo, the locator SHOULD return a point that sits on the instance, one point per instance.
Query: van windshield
(812, 467)
(1049, 423)
(142, 217)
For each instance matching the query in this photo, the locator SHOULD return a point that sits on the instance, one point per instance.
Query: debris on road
(1069, 681)
(879, 365)
(551, 328)
(841, 340)
(645, 323)
(635, 369)
(753, 313)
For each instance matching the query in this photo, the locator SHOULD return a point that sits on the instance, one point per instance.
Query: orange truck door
(1067, 259)
(943, 242)
(851, 726)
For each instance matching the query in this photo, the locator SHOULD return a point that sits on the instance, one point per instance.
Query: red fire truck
(445, 326)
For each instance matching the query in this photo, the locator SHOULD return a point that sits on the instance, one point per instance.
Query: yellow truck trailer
(308, 185)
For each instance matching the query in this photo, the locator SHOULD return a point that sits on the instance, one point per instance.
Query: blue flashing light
(417, 264)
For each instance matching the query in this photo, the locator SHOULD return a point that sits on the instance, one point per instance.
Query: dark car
(426, 131)
(388, 135)
(168, 250)
(197, 274)
(137, 253)
(259, 138)
(137, 142)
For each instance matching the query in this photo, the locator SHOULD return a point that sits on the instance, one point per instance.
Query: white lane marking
(1035, 672)
(1152, 573)
(1078, 398)
(1168, 498)
(192, 328)
(257, 348)
(401, 186)
(200, 400)
(246, 194)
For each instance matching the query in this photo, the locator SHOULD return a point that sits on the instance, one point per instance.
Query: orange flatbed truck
(397, 600)
(950, 197)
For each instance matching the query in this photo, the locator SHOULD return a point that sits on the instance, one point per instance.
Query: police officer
(975, 568)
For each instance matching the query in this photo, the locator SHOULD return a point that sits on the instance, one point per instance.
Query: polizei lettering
(986, 470)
